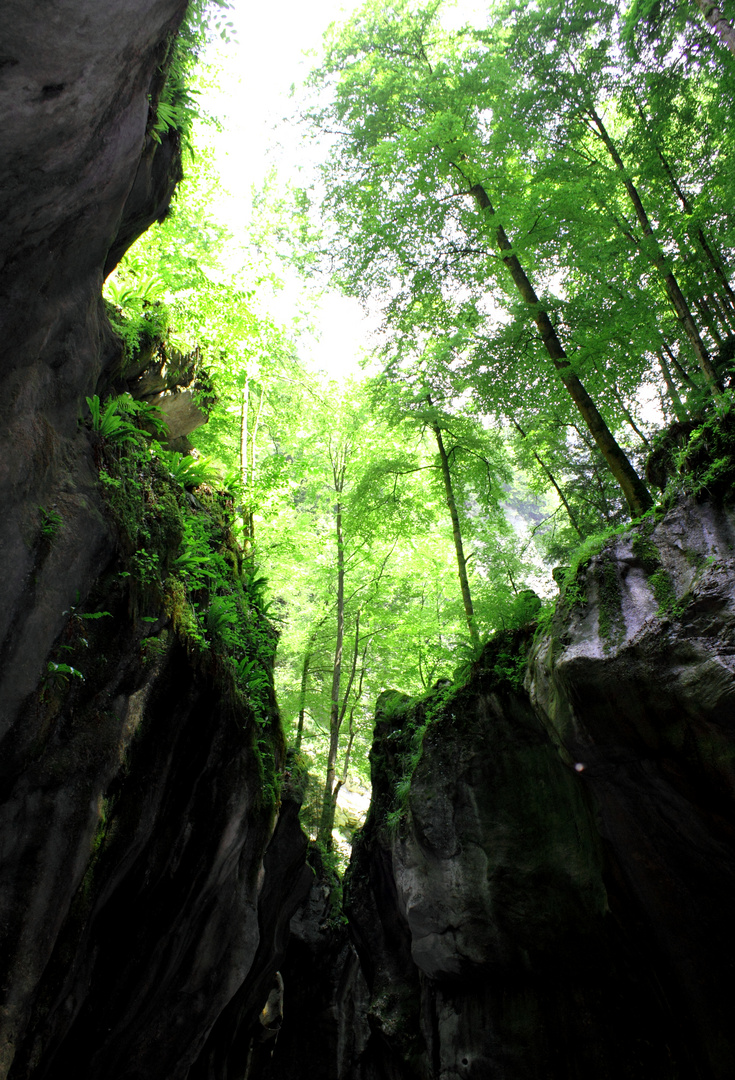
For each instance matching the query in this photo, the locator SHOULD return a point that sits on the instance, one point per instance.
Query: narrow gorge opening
(369, 576)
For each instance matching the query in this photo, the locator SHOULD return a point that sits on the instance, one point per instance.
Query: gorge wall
(149, 869)
(553, 895)
(550, 898)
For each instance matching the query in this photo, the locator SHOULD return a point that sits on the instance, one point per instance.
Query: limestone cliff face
(148, 873)
(81, 179)
(555, 900)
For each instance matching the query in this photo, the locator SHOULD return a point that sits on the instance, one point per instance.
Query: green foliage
(407, 762)
(509, 652)
(611, 625)
(62, 672)
(129, 292)
(176, 108)
(188, 471)
(56, 678)
(659, 578)
(663, 589)
(397, 752)
(51, 522)
(571, 587)
(185, 557)
(137, 313)
(705, 464)
(111, 421)
(329, 867)
(523, 610)
(423, 117)
(151, 648)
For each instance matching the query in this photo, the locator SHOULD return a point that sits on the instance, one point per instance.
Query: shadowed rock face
(137, 838)
(81, 180)
(557, 899)
(555, 903)
(157, 880)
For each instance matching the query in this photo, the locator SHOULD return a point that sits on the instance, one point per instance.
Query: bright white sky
(258, 69)
(254, 74)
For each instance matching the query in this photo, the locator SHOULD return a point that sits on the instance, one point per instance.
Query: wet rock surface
(325, 1025)
(144, 851)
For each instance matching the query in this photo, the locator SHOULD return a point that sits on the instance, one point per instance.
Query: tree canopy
(538, 212)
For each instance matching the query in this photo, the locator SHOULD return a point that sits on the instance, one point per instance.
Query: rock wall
(555, 897)
(148, 868)
(324, 1029)
(81, 179)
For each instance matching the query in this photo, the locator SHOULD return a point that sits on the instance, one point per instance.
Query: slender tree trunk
(250, 492)
(304, 680)
(627, 413)
(722, 311)
(712, 256)
(332, 786)
(345, 764)
(247, 510)
(632, 486)
(552, 480)
(244, 407)
(302, 697)
(457, 533)
(324, 833)
(602, 505)
(353, 668)
(678, 405)
(708, 319)
(351, 731)
(678, 301)
(721, 26)
(683, 374)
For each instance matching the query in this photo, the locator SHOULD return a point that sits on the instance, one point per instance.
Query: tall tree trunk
(722, 311)
(332, 785)
(633, 488)
(673, 291)
(304, 680)
(351, 731)
(708, 319)
(247, 510)
(683, 374)
(721, 26)
(457, 533)
(712, 256)
(324, 833)
(552, 480)
(250, 492)
(626, 411)
(302, 697)
(601, 505)
(678, 405)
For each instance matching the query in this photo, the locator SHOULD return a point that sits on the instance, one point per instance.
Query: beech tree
(409, 180)
(471, 463)
(571, 81)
